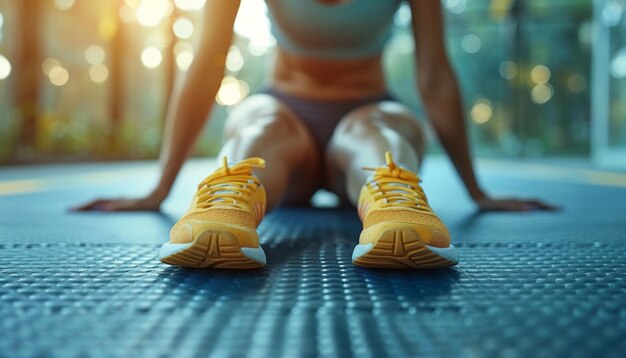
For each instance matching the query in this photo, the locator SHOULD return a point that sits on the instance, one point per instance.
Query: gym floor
(539, 284)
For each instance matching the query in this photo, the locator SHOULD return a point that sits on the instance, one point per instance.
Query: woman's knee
(380, 118)
(262, 115)
(358, 122)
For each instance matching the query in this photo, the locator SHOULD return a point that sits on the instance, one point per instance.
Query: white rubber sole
(215, 249)
(403, 249)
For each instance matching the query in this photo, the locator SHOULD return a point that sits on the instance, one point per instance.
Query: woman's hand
(152, 202)
(489, 204)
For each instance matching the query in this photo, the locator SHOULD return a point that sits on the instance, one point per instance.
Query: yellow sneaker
(400, 230)
(219, 230)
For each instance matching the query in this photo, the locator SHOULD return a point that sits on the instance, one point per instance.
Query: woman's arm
(439, 90)
(188, 108)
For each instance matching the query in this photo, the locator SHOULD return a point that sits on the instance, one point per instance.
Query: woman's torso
(330, 50)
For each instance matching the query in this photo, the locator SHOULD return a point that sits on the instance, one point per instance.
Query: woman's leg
(361, 140)
(222, 234)
(263, 127)
(399, 228)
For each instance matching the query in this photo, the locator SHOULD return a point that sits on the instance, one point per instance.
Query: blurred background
(85, 80)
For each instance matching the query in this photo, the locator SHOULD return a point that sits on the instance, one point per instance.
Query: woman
(325, 116)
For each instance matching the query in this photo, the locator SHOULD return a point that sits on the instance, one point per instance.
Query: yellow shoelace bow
(231, 186)
(397, 186)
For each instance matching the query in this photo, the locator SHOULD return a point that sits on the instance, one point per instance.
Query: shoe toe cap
(181, 233)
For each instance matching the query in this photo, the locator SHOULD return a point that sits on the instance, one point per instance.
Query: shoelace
(230, 186)
(397, 186)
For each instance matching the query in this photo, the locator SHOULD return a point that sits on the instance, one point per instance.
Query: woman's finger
(515, 205)
(540, 205)
(89, 206)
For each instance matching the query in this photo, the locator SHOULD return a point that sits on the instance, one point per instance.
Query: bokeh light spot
(612, 13)
(576, 83)
(232, 91)
(127, 14)
(63, 5)
(182, 47)
(234, 60)
(151, 57)
(95, 54)
(618, 64)
(48, 64)
(482, 111)
(471, 43)
(5, 67)
(98, 73)
(189, 5)
(183, 28)
(585, 33)
(455, 6)
(540, 74)
(403, 16)
(404, 43)
(508, 70)
(160, 39)
(151, 12)
(59, 76)
(541, 93)
(132, 3)
(184, 60)
(252, 23)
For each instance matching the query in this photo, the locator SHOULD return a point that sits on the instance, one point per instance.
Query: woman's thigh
(360, 128)
(286, 138)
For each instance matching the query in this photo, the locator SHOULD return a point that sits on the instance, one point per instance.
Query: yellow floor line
(24, 186)
(21, 186)
(556, 173)
(523, 170)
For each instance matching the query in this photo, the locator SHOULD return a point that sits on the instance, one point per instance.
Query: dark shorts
(321, 117)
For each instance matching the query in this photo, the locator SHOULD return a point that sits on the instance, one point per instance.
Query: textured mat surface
(538, 284)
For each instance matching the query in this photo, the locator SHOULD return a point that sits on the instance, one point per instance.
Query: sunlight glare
(151, 57)
(5, 67)
(232, 91)
(189, 5)
(132, 3)
(252, 23)
(151, 12)
(183, 28)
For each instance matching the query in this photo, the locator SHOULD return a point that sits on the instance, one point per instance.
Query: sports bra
(349, 29)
